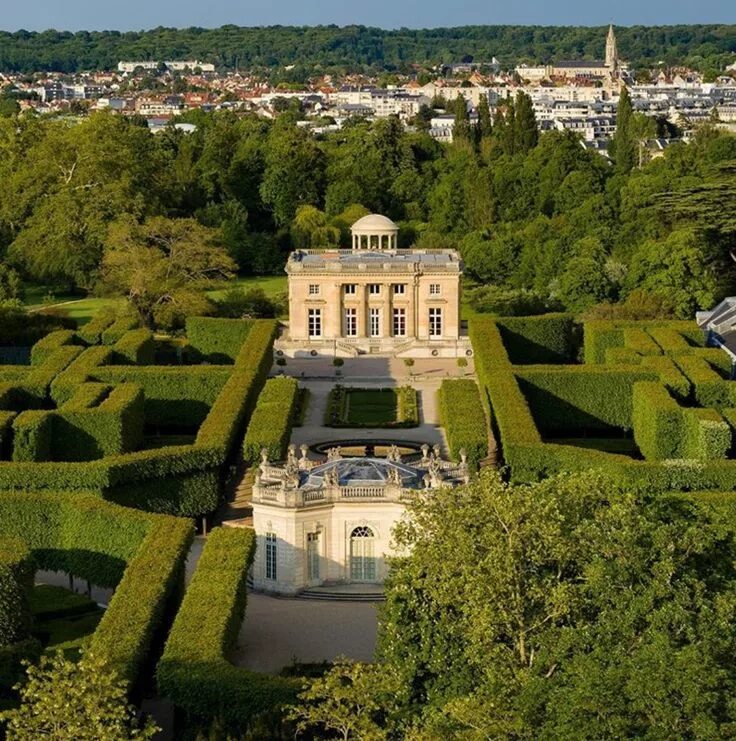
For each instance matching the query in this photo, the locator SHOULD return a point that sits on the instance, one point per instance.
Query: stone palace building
(374, 298)
(330, 522)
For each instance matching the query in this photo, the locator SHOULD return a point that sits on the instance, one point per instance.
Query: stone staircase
(345, 593)
(238, 512)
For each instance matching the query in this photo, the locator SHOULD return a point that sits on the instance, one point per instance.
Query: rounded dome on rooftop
(357, 471)
(374, 223)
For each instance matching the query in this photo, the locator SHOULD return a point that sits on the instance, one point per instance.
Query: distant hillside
(707, 47)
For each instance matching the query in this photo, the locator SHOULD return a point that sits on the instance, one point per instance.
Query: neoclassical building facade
(326, 523)
(374, 298)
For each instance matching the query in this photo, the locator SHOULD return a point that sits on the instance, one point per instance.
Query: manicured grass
(272, 285)
(83, 309)
(371, 406)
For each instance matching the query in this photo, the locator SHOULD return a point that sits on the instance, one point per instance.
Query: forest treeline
(351, 48)
(541, 222)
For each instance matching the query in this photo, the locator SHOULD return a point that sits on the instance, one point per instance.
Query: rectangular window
(434, 289)
(375, 319)
(399, 289)
(313, 556)
(314, 289)
(350, 289)
(374, 289)
(435, 322)
(399, 324)
(271, 556)
(351, 322)
(315, 322)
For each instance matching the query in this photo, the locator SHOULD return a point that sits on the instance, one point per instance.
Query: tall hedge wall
(16, 581)
(194, 671)
(272, 420)
(217, 340)
(582, 397)
(549, 338)
(141, 555)
(465, 427)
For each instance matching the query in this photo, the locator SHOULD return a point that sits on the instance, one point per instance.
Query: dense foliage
(355, 47)
(585, 611)
(71, 701)
(105, 205)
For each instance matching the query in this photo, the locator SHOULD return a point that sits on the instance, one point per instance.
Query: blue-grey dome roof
(357, 471)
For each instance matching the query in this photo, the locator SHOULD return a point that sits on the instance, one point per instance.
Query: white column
(361, 313)
(387, 312)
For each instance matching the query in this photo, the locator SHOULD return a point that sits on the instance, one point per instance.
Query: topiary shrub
(272, 420)
(463, 419)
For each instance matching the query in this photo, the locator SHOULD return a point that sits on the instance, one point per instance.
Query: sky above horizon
(73, 15)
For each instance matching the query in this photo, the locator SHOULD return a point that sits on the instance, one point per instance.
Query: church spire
(611, 50)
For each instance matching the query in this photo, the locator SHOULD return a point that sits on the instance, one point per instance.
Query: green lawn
(272, 285)
(371, 406)
(83, 309)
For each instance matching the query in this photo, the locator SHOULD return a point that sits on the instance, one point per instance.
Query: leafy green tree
(352, 700)
(624, 144)
(583, 284)
(572, 608)
(485, 126)
(68, 701)
(11, 286)
(163, 267)
(526, 132)
(682, 269)
(461, 128)
(293, 174)
(310, 229)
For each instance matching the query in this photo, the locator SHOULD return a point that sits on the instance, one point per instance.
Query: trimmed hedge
(709, 388)
(657, 421)
(194, 671)
(136, 347)
(49, 344)
(118, 328)
(181, 480)
(32, 435)
(272, 420)
(548, 338)
(16, 581)
(91, 333)
(601, 335)
(142, 555)
(582, 397)
(218, 340)
(95, 423)
(174, 396)
(459, 404)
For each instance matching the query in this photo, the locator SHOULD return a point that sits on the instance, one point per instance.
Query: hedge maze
(141, 555)
(107, 416)
(649, 402)
(95, 413)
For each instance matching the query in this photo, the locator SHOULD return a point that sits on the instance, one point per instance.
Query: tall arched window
(362, 556)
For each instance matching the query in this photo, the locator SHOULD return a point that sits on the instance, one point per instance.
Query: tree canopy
(566, 609)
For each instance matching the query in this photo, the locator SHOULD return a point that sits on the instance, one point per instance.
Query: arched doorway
(362, 555)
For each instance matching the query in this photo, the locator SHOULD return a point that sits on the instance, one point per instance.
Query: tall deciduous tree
(163, 266)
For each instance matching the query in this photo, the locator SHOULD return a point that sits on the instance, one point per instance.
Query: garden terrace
(101, 417)
(140, 555)
(650, 404)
